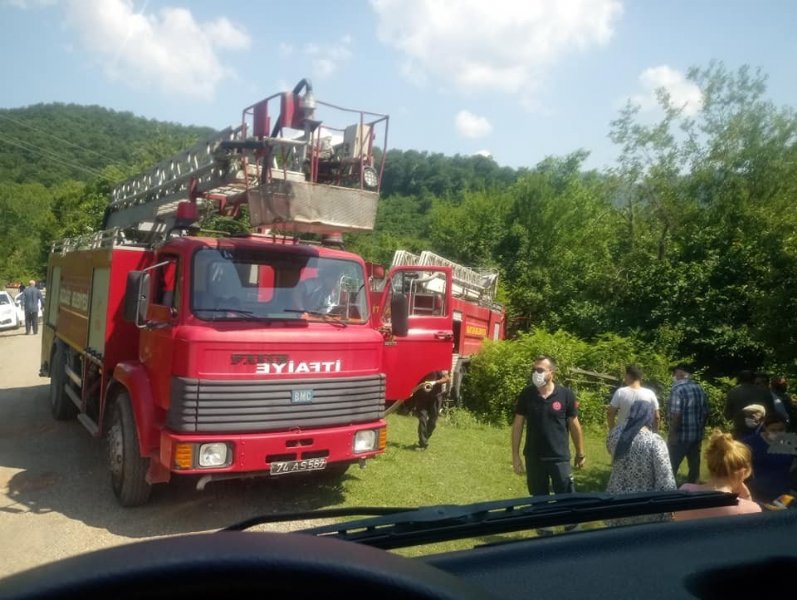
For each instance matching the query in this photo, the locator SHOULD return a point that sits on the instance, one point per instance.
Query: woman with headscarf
(640, 460)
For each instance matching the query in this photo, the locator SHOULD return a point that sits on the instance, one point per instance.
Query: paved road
(56, 496)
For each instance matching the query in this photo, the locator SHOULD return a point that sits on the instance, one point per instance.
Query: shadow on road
(63, 469)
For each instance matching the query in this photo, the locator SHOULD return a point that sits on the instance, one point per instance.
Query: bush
(499, 373)
(716, 392)
(461, 418)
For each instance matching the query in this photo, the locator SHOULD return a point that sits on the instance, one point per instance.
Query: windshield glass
(240, 284)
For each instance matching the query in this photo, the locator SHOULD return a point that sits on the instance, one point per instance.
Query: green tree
(556, 253)
(24, 230)
(706, 202)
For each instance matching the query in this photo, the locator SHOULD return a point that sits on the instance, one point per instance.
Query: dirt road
(56, 495)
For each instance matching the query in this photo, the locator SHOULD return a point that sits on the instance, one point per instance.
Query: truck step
(73, 376)
(89, 424)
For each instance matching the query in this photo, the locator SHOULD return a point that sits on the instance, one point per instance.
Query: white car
(11, 315)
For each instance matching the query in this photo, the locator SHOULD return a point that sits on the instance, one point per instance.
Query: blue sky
(520, 80)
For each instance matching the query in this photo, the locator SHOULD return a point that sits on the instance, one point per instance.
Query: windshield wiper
(245, 315)
(326, 317)
(400, 527)
(309, 515)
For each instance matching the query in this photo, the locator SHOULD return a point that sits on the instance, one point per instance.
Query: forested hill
(688, 244)
(51, 143)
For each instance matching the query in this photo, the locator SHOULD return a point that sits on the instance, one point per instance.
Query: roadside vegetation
(684, 250)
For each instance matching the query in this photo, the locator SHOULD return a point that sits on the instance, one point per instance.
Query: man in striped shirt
(687, 414)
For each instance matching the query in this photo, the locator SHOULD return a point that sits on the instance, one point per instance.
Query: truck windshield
(241, 284)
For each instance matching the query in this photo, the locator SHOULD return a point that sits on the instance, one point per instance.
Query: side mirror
(399, 314)
(377, 272)
(136, 297)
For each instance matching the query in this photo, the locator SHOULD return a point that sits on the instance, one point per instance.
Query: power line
(50, 135)
(52, 156)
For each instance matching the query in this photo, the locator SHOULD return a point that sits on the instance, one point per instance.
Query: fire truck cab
(237, 356)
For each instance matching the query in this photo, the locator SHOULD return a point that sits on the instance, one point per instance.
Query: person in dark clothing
(428, 400)
(549, 412)
(783, 402)
(687, 412)
(31, 301)
(745, 394)
(770, 469)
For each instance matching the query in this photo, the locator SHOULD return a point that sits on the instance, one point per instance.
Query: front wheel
(128, 467)
(61, 406)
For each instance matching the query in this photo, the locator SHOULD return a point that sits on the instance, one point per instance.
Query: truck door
(428, 344)
(157, 336)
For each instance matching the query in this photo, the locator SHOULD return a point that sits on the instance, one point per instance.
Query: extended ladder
(478, 286)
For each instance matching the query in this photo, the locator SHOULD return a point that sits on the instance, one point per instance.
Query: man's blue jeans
(690, 451)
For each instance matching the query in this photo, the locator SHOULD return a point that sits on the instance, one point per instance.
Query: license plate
(301, 396)
(298, 466)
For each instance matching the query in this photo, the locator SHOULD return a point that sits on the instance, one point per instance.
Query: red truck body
(469, 311)
(276, 392)
(237, 356)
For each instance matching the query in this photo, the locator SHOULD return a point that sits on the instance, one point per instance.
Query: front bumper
(253, 453)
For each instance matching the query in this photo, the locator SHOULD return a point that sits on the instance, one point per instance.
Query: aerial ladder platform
(296, 173)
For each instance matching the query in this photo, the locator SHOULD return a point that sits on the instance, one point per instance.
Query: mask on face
(751, 422)
(773, 436)
(674, 379)
(538, 379)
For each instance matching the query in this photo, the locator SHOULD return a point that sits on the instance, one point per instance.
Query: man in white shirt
(632, 392)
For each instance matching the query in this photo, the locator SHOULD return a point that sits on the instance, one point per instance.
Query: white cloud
(27, 3)
(326, 59)
(503, 45)
(470, 125)
(484, 153)
(683, 93)
(226, 35)
(167, 49)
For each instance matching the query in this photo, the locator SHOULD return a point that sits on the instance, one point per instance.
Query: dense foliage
(685, 250)
(592, 369)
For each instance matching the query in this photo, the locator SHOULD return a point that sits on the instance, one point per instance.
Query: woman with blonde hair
(729, 464)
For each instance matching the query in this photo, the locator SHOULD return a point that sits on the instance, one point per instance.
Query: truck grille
(200, 405)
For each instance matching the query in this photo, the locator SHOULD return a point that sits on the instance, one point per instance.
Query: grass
(466, 462)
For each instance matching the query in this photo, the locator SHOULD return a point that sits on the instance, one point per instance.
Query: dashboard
(726, 557)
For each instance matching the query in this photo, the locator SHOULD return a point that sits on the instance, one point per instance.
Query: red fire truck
(475, 313)
(239, 356)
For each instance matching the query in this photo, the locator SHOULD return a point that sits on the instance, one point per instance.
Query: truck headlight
(213, 455)
(365, 441)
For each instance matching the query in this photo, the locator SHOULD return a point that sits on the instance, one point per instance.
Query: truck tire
(61, 407)
(456, 383)
(128, 467)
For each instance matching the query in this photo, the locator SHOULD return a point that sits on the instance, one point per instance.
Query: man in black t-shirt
(427, 400)
(549, 412)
